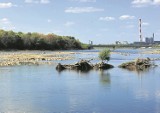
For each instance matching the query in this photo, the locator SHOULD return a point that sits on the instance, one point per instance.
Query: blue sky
(102, 21)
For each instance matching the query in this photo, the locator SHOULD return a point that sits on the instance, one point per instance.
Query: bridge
(123, 46)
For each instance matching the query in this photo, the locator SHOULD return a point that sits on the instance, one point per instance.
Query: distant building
(149, 40)
(156, 42)
(125, 42)
(139, 43)
(118, 42)
(121, 43)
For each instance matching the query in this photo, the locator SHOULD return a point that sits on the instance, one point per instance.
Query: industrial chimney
(140, 30)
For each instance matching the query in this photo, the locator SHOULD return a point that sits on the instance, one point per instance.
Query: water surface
(42, 89)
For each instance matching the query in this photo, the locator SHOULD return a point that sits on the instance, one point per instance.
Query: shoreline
(11, 58)
(38, 57)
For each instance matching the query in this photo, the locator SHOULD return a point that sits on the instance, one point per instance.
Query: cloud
(156, 2)
(6, 5)
(145, 24)
(45, 1)
(82, 10)
(107, 18)
(69, 24)
(4, 21)
(49, 20)
(126, 17)
(6, 24)
(141, 3)
(144, 3)
(38, 1)
(84, 0)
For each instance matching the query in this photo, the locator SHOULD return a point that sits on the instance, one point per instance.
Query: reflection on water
(42, 89)
(140, 72)
(105, 77)
(77, 71)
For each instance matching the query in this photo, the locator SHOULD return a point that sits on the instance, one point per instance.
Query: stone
(84, 65)
(60, 67)
(103, 65)
(138, 64)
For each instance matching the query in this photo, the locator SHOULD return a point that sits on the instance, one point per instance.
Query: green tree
(104, 55)
(38, 41)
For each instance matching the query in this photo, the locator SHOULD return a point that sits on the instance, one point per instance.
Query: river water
(42, 89)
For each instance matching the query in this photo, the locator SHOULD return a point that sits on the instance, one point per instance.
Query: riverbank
(37, 57)
(11, 58)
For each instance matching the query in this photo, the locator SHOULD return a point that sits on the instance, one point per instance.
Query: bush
(104, 55)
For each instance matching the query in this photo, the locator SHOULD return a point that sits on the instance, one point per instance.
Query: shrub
(104, 55)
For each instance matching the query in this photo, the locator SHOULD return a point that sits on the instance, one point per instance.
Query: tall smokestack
(153, 35)
(140, 30)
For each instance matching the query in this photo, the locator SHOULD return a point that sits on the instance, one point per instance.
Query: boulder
(139, 64)
(60, 67)
(84, 65)
(103, 65)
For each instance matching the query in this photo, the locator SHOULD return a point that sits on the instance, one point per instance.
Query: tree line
(37, 41)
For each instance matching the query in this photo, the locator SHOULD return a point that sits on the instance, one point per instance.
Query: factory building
(149, 40)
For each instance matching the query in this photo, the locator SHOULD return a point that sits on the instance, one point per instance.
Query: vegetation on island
(104, 55)
(85, 65)
(38, 41)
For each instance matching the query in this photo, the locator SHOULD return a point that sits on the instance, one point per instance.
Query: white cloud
(145, 24)
(156, 2)
(6, 5)
(69, 24)
(10, 27)
(82, 10)
(107, 18)
(141, 3)
(144, 3)
(126, 17)
(49, 20)
(45, 1)
(85, 0)
(6, 24)
(29, 1)
(4, 21)
(38, 1)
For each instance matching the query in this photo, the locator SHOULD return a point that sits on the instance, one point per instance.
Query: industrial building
(149, 40)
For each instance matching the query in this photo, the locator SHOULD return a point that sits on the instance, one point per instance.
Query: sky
(102, 21)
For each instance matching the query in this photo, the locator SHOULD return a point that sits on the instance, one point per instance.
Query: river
(42, 89)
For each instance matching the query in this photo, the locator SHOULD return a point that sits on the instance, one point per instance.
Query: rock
(103, 65)
(139, 64)
(84, 65)
(60, 67)
(43, 59)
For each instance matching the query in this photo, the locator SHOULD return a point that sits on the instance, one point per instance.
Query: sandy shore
(10, 58)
